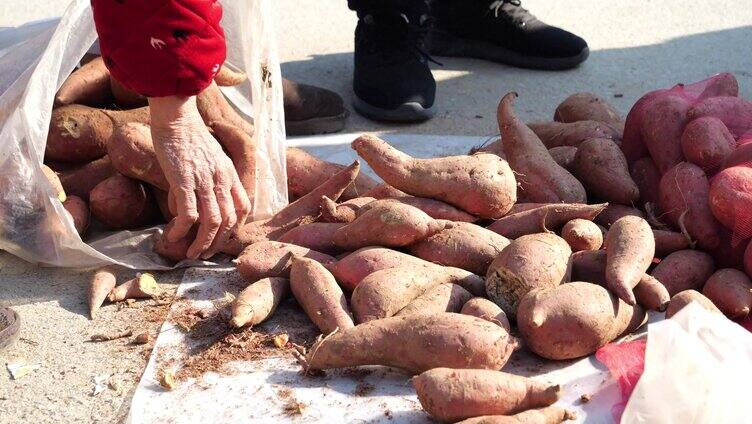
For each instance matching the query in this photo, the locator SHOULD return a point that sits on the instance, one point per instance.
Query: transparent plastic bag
(698, 366)
(33, 223)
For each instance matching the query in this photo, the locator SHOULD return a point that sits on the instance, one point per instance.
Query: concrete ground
(636, 46)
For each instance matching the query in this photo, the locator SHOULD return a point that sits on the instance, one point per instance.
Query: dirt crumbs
(363, 389)
(291, 406)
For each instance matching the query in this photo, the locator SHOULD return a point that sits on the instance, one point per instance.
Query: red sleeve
(161, 47)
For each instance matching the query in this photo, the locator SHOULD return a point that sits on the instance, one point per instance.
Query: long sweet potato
(384, 293)
(684, 270)
(415, 343)
(88, 85)
(79, 181)
(461, 245)
(241, 149)
(344, 212)
(556, 134)
(434, 208)
(588, 106)
(667, 242)
(121, 203)
(273, 259)
(557, 324)
(306, 207)
(530, 262)
(258, 301)
(647, 177)
(541, 218)
(445, 297)
(305, 172)
(547, 415)
(353, 268)
(662, 128)
(318, 293)
(481, 184)
(450, 395)
(731, 291)
(384, 191)
(541, 179)
(131, 151)
(388, 224)
(630, 248)
(601, 167)
(564, 156)
(614, 212)
(684, 193)
(483, 308)
(316, 236)
(214, 107)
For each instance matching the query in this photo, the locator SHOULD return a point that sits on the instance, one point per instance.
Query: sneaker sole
(446, 44)
(406, 112)
(315, 126)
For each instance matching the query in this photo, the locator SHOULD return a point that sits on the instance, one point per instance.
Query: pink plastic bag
(625, 361)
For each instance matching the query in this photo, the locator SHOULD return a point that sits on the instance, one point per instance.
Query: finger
(186, 213)
(209, 221)
(243, 206)
(172, 204)
(229, 218)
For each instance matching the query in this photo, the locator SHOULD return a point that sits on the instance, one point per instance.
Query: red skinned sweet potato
(132, 153)
(630, 248)
(547, 415)
(79, 211)
(415, 343)
(662, 127)
(684, 193)
(54, 181)
(434, 208)
(731, 291)
(384, 191)
(734, 112)
(318, 293)
(582, 234)
(273, 259)
(614, 212)
(353, 268)
(445, 297)
(214, 107)
(588, 106)
(305, 172)
(564, 156)
(647, 177)
(176, 250)
(450, 395)
(684, 298)
(667, 242)
(88, 85)
(541, 179)
(241, 149)
(121, 203)
(684, 270)
(483, 308)
(79, 181)
(731, 200)
(344, 212)
(316, 236)
(542, 218)
(706, 142)
(601, 167)
(258, 301)
(556, 134)
(482, 184)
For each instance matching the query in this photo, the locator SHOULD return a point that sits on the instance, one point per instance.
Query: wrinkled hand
(203, 182)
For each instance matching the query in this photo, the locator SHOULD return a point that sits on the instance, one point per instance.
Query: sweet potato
(662, 128)
(54, 181)
(684, 298)
(632, 143)
(630, 248)
(353, 268)
(126, 98)
(213, 107)
(258, 301)
(496, 147)
(557, 323)
(731, 291)
(131, 151)
(481, 184)
(227, 77)
(241, 149)
(542, 218)
(590, 266)
(433, 208)
(564, 156)
(121, 203)
(102, 283)
(344, 212)
(384, 293)
(384, 191)
(304, 209)
(79, 181)
(706, 142)
(741, 156)
(88, 85)
(79, 212)
(531, 262)
(461, 245)
(305, 172)
(684, 270)
(163, 203)
(730, 252)
(647, 177)
(547, 415)
(614, 212)
(601, 167)
(588, 107)
(445, 297)
(556, 134)
(483, 308)
(541, 179)
(318, 293)
(144, 286)
(734, 112)
(316, 236)
(582, 234)
(389, 225)
(731, 200)
(176, 250)
(415, 343)
(684, 193)
(79, 133)
(450, 395)
(273, 259)
(667, 242)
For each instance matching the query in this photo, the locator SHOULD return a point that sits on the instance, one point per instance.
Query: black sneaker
(502, 31)
(392, 81)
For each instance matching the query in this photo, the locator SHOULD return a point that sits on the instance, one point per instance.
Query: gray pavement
(636, 45)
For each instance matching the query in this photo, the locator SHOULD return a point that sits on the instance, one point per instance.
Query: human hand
(203, 182)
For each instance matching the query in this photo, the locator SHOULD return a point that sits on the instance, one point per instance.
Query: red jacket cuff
(161, 47)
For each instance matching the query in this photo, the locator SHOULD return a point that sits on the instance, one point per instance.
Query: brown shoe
(312, 110)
